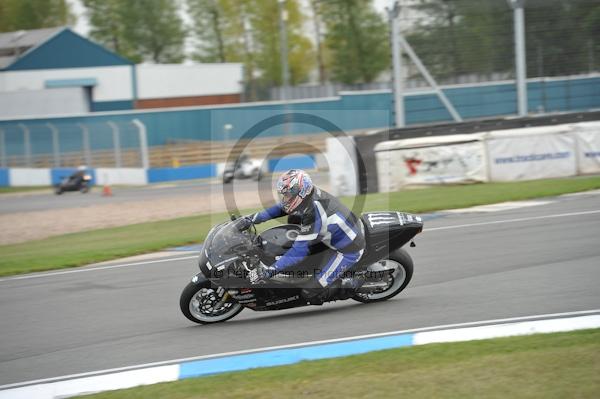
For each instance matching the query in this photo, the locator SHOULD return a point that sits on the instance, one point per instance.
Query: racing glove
(262, 272)
(244, 223)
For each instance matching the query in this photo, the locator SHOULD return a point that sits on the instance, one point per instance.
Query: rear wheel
(200, 304)
(402, 265)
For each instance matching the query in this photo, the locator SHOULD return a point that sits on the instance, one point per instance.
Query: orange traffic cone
(106, 191)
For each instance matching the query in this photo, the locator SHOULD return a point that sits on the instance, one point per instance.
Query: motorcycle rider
(322, 218)
(77, 177)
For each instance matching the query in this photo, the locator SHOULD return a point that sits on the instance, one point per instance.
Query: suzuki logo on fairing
(376, 219)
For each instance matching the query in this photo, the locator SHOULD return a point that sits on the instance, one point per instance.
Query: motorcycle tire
(186, 304)
(403, 259)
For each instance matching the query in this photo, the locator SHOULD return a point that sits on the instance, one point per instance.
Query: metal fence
(97, 144)
(412, 82)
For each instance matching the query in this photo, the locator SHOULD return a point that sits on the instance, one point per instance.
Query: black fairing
(277, 240)
(386, 232)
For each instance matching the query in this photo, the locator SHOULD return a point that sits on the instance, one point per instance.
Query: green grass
(105, 244)
(9, 190)
(561, 365)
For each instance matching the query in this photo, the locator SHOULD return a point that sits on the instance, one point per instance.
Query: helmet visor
(290, 199)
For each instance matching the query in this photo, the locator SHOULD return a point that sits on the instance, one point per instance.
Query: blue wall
(348, 112)
(292, 162)
(156, 175)
(4, 177)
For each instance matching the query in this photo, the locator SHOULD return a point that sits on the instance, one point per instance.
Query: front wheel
(402, 265)
(198, 303)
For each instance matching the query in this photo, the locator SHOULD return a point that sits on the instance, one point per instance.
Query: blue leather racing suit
(323, 218)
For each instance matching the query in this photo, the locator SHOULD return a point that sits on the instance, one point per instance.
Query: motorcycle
(221, 290)
(72, 183)
(243, 168)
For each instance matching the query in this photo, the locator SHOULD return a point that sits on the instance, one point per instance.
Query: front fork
(220, 292)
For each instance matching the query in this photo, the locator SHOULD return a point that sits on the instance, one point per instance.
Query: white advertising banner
(528, 157)
(587, 135)
(114, 176)
(456, 162)
(22, 177)
(343, 173)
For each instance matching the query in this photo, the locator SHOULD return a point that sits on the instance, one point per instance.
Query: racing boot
(314, 293)
(350, 285)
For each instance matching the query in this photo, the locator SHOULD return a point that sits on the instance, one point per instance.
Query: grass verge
(561, 365)
(105, 244)
(10, 190)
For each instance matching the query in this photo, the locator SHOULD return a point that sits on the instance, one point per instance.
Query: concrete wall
(114, 83)
(113, 86)
(175, 80)
(41, 102)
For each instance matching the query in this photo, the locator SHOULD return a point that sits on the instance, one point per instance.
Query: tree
(107, 25)
(248, 31)
(266, 34)
(458, 37)
(212, 18)
(357, 38)
(315, 6)
(34, 14)
(141, 30)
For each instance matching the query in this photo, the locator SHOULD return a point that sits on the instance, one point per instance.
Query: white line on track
(93, 269)
(560, 215)
(459, 226)
(301, 344)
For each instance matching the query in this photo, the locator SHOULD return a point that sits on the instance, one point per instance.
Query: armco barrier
(532, 153)
(364, 145)
(289, 354)
(4, 177)
(588, 146)
(156, 175)
(137, 176)
(431, 160)
(526, 153)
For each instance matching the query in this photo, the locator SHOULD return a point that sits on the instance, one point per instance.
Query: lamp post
(226, 129)
(397, 78)
(521, 68)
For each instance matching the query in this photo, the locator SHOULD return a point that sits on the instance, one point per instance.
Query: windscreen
(225, 243)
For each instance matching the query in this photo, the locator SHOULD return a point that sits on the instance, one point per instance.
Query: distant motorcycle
(81, 182)
(243, 168)
(221, 290)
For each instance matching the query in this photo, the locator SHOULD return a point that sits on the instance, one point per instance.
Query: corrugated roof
(14, 44)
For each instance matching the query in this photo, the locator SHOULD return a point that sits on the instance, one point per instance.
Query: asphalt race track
(468, 267)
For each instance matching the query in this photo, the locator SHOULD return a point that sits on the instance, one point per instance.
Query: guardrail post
(85, 136)
(116, 143)
(26, 144)
(55, 145)
(3, 160)
(143, 143)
